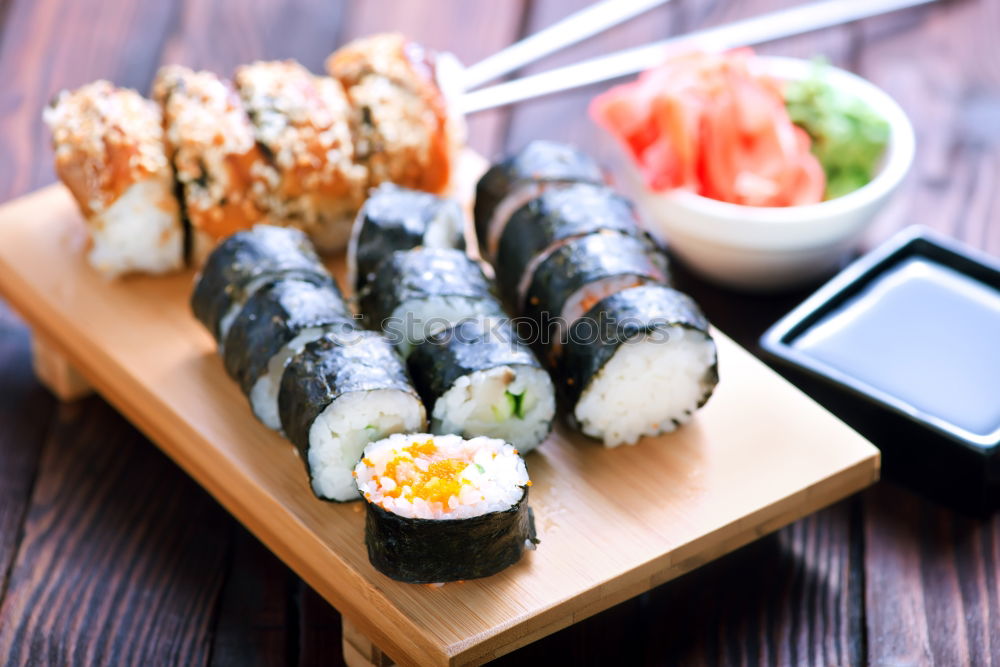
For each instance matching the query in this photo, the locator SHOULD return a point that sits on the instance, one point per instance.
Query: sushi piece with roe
(441, 508)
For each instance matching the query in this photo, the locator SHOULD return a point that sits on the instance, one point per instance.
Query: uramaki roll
(303, 124)
(109, 153)
(406, 130)
(210, 141)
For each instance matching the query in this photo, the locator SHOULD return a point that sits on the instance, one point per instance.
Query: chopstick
(574, 28)
(764, 28)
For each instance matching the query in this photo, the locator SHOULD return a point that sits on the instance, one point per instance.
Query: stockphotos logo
(547, 331)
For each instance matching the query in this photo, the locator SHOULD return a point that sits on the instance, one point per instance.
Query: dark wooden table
(109, 553)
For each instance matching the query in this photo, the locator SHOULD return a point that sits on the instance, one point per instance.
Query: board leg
(359, 651)
(55, 372)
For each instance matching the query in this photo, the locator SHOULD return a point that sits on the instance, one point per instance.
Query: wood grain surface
(884, 578)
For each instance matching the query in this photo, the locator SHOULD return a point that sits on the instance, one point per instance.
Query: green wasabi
(848, 138)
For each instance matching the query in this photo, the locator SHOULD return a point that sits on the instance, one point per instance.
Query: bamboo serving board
(612, 523)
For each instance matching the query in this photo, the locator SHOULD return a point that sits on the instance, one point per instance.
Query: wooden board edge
(56, 372)
(835, 487)
(359, 650)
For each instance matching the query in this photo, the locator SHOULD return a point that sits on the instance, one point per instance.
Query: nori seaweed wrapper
(271, 318)
(585, 260)
(422, 273)
(429, 551)
(330, 367)
(396, 218)
(594, 338)
(538, 161)
(471, 345)
(242, 260)
(556, 215)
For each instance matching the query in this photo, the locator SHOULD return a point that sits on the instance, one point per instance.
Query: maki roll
(244, 263)
(640, 362)
(302, 122)
(109, 154)
(339, 393)
(476, 378)
(395, 218)
(271, 328)
(418, 292)
(210, 141)
(583, 271)
(440, 508)
(545, 223)
(507, 186)
(405, 130)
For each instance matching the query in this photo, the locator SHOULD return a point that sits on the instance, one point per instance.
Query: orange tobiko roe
(708, 123)
(438, 483)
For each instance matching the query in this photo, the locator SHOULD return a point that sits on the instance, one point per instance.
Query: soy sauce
(925, 334)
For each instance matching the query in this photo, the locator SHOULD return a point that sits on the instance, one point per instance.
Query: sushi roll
(244, 263)
(440, 508)
(417, 292)
(109, 153)
(302, 123)
(210, 141)
(640, 362)
(478, 379)
(545, 223)
(271, 328)
(583, 271)
(507, 186)
(395, 218)
(389, 55)
(405, 128)
(339, 393)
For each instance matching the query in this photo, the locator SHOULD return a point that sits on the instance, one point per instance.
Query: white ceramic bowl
(769, 248)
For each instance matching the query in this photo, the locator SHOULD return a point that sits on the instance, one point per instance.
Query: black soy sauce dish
(904, 346)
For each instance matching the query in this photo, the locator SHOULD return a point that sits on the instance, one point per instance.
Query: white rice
(140, 232)
(339, 435)
(651, 385)
(478, 404)
(492, 480)
(417, 319)
(264, 393)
